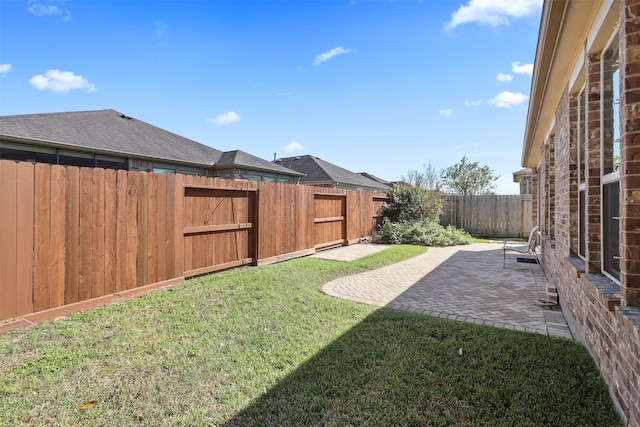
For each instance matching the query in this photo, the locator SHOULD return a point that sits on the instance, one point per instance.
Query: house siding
(604, 313)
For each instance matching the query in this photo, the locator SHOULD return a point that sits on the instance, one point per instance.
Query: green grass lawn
(263, 346)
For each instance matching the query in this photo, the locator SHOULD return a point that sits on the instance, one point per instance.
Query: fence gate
(219, 225)
(329, 220)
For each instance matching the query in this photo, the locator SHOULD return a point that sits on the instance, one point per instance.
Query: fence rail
(491, 216)
(70, 236)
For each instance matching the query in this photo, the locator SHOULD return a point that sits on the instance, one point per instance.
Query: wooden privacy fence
(72, 238)
(490, 216)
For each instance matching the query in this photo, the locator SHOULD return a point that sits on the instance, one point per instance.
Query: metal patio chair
(530, 249)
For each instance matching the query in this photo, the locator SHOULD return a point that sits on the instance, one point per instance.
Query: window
(76, 158)
(26, 153)
(111, 162)
(610, 156)
(581, 137)
(164, 170)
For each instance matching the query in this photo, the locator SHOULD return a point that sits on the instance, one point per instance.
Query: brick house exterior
(582, 143)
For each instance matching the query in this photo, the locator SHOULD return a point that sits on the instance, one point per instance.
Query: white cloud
(48, 7)
(473, 103)
(225, 118)
(323, 57)
(294, 146)
(493, 12)
(507, 99)
(5, 68)
(502, 77)
(446, 112)
(61, 82)
(522, 69)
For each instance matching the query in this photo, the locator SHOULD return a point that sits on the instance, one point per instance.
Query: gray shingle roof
(107, 131)
(318, 170)
(238, 158)
(375, 178)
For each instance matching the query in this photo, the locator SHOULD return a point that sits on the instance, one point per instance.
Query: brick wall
(561, 179)
(630, 154)
(603, 314)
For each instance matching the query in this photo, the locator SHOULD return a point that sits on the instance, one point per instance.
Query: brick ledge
(578, 264)
(630, 318)
(607, 290)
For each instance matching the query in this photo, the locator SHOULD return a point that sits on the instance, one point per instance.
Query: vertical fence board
(132, 231)
(97, 233)
(143, 202)
(110, 231)
(152, 229)
(85, 271)
(188, 204)
(72, 236)
(42, 222)
(178, 241)
(161, 229)
(8, 239)
(24, 245)
(121, 230)
(57, 237)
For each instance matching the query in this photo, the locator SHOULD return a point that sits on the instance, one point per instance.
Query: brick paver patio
(464, 283)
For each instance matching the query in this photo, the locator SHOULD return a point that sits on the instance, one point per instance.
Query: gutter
(85, 149)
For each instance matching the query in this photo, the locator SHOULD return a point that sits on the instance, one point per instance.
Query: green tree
(427, 179)
(469, 178)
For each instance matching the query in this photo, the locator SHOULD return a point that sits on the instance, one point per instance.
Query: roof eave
(88, 149)
(553, 13)
(257, 169)
(564, 27)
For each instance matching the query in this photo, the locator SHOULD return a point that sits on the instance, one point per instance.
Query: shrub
(409, 204)
(425, 233)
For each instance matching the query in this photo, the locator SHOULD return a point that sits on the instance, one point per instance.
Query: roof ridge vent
(126, 117)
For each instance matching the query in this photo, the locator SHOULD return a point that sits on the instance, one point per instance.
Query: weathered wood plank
(97, 233)
(41, 229)
(132, 231)
(110, 231)
(85, 235)
(57, 237)
(121, 230)
(161, 228)
(143, 224)
(24, 245)
(8, 239)
(152, 229)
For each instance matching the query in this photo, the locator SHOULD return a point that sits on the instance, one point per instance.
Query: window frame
(582, 162)
(609, 176)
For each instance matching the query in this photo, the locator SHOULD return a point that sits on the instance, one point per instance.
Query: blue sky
(378, 86)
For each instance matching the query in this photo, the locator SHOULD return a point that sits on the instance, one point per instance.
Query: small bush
(409, 204)
(425, 233)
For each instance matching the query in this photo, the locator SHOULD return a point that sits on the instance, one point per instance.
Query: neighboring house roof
(107, 131)
(111, 132)
(318, 171)
(240, 159)
(518, 175)
(375, 178)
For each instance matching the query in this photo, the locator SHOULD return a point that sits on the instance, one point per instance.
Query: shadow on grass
(398, 368)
